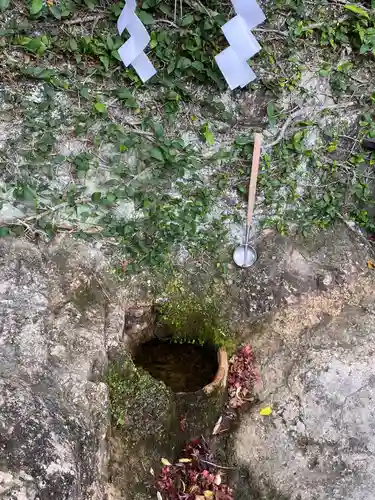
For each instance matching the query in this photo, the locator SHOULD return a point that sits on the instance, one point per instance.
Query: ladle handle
(253, 178)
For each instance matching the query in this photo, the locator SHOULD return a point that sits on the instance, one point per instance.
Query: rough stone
(312, 328)
(288, 268)
(317, 369)
(9, 213)
(53, 414)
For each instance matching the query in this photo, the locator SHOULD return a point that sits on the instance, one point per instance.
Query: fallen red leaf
(195, 475)
(242, 376)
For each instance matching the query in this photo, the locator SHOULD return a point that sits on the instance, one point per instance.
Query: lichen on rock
(53, 418)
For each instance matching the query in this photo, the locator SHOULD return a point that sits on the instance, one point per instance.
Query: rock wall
(54, 336)
(317, 366)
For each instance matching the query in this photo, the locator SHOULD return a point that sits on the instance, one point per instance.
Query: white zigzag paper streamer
(132, 51)
(243, 45)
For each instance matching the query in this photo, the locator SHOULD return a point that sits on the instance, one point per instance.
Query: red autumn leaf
(182, 423)
(192, 478)
(242, 376)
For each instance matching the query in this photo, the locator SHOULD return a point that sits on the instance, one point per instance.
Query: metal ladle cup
(245, 255)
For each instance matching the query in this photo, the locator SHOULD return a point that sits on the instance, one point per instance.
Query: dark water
(182, 367)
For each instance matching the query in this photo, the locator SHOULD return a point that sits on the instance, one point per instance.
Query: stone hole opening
(183, 367)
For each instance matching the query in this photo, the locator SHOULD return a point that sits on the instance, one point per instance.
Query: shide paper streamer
(232, 61)
(132, 51)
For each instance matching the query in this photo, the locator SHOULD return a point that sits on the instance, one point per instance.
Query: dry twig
(297, 114)
(82, 20)
(166, 21)
(216, 465)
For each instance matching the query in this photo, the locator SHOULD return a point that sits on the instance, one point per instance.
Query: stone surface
(312, 327)
(53, 342)
(288, 268)
(9, 213)
(317, 368)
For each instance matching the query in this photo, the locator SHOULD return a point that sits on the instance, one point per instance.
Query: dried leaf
(370, 264)
(183, 486)
(158, 496)
(265, 412)
(182, 423)
(185, 460)
(192, 482)
(242, 376)
(164, 461)
(152, 472)
(217, 426)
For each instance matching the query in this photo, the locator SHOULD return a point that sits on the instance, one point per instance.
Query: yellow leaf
(208, 494)
(265, 412)
(184, 460)
(164, 461)
(370, 264)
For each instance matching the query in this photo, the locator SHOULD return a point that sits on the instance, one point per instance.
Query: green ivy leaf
(110, 43)
(197, 65)
(324, 72)
(184, 62)
(157, 154)
(84, 92)
(39, 73)
(145, 17)
(100, 107)
(105, 61)
(73, 44)
(271, 113)
(298, 140)
(4, 4)
(242, 140)
(357, 10)
(158, 129)
(209, 137)
(124, 93)
(153, 41)
(90, 4)
(55, 11)
(96, 196)
(131, 103)
(36, 7)
(187, 20)
(82, 162)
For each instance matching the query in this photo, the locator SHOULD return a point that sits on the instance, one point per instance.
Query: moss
(146, 425)
(190, 316)
(143, 426)
(149, 421)
(132, 393)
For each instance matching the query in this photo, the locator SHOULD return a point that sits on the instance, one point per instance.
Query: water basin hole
(183, 367)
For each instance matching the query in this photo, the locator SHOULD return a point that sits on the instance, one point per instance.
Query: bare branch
(302, 112)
